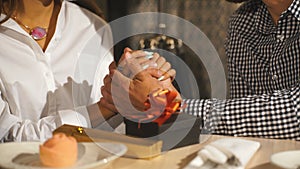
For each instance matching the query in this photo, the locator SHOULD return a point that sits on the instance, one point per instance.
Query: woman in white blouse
(53, 55)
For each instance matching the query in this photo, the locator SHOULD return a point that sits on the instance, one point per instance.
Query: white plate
(25, 155)
(287, 159)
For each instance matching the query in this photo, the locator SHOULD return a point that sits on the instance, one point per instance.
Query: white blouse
(42, 90)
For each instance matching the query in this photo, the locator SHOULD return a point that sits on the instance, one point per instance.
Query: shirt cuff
(95, 114)
(105, 124)
(84, 111)
(111, 124)
(196, 107)
(75, 118)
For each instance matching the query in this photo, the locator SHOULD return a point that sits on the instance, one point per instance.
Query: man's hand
(147, 60)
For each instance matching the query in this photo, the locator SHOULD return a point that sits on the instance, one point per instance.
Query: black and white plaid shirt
(264, 69)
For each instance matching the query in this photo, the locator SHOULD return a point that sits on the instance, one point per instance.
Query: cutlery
(217, 156)
(231, 158)
(207, 156)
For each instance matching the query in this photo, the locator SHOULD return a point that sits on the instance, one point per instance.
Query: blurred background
(211, 16)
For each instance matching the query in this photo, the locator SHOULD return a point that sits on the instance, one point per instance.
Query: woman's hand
(128, 96)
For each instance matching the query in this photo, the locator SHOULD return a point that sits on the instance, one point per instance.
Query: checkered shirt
(264, 68)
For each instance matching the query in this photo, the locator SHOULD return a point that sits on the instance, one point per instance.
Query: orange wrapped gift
(164, 122)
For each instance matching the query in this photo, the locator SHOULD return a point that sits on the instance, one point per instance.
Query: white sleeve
(13, 128)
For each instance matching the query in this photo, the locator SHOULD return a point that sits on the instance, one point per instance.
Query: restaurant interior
(175, 141)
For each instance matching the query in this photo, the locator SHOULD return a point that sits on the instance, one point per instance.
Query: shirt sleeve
(13, 128)
(274, 115)
(16, 127)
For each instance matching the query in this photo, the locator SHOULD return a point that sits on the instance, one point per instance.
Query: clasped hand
(129, 83)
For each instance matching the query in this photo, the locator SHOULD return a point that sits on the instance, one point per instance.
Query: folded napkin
(227, 153)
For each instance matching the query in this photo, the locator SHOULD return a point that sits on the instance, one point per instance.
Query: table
(178, 158)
